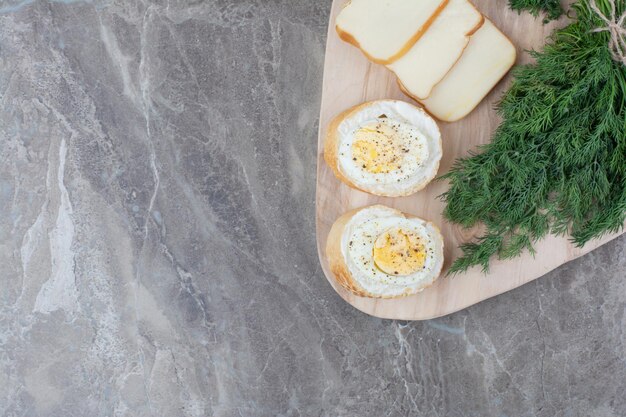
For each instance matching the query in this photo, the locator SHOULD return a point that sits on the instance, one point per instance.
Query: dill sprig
(557, 162)
(551, 8)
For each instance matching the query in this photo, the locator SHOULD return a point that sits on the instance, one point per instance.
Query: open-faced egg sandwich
(381, 252)
(385, 147)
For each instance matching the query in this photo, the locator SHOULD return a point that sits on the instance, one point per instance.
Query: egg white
(420, 136)
(357, 245)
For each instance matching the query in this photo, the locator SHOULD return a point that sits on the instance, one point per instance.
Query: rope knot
(615, 26)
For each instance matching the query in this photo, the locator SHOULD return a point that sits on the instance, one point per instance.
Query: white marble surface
(157, 249)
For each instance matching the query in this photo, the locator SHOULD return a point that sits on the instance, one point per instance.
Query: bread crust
(337, 264)
(331, 152)
(482, 19)
(340, 270)
(347, 37)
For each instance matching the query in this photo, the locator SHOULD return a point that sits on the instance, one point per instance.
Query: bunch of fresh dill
(551, 8)
(557, 162)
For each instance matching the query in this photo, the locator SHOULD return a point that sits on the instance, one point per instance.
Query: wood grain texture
(350, 79)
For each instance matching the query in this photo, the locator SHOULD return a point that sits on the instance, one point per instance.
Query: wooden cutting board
(350, 79)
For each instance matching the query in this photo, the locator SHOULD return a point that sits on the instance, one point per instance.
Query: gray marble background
(157, 240)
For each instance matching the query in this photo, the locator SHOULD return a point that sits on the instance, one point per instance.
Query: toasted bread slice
(353, 280)
(414, 176)
(386, 29)
(435, 53)
(487, 58)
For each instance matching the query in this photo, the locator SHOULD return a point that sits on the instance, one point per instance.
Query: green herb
(557, 162)
(551, 8)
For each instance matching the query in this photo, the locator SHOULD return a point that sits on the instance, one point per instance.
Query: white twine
(615, 26)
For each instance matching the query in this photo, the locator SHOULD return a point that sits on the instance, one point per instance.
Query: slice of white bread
(352, 279)
(487, 58)
(385, 30)
(342, 133)
(435, 53)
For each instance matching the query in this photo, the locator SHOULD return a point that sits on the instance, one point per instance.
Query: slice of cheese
(386, 29)
(487, 58)
(434, 54)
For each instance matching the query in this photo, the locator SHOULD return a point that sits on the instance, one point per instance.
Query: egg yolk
(399, 252)
(377, 148)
